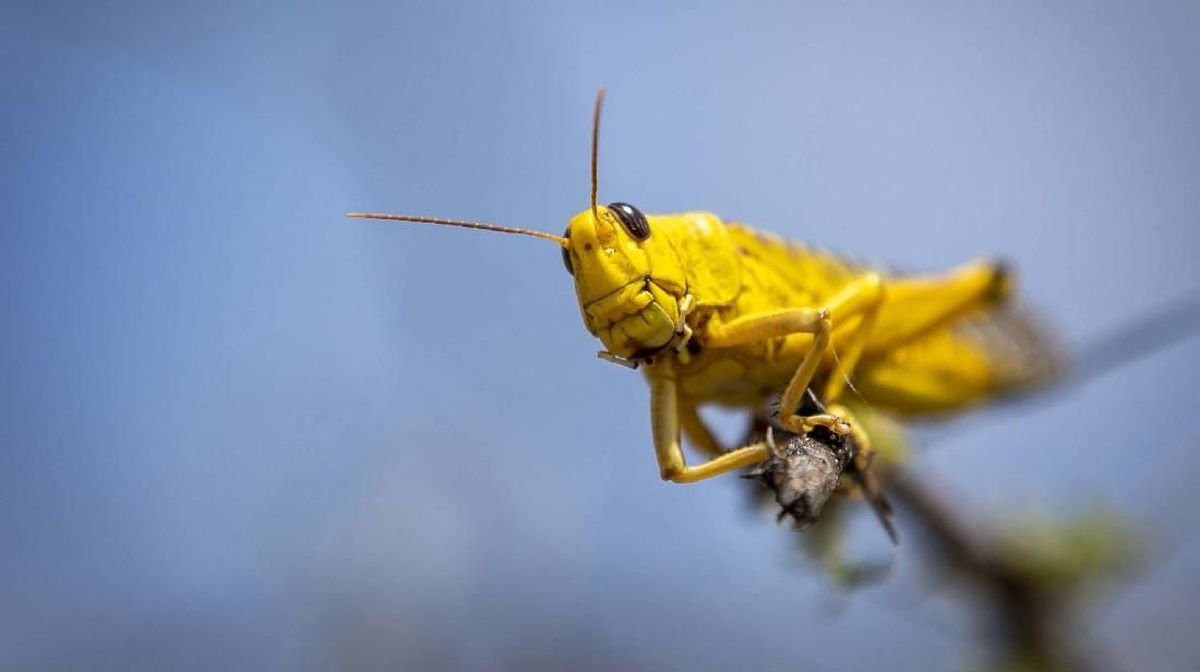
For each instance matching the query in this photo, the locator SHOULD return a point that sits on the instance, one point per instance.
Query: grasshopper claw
(805, 424)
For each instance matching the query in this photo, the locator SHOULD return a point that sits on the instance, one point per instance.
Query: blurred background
(239, 431)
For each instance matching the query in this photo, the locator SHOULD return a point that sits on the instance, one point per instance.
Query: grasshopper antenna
(458, 222)
(596, 143)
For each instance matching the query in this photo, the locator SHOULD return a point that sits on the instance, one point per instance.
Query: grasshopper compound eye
(567, 253)
(632, 219)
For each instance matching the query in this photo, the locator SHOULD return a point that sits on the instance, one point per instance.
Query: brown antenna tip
(596, 142)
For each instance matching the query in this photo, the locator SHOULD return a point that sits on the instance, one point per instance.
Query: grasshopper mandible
(715, 312)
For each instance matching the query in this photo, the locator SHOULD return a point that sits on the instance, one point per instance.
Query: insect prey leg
(863, 297)
(665, 420)
(864, 478)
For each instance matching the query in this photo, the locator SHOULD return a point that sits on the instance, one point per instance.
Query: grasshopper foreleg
(665, 420)
(684, 333)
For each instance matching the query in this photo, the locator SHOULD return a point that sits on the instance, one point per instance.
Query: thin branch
(1026, 599)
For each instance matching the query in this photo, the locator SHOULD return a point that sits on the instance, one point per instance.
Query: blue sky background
(240, 431)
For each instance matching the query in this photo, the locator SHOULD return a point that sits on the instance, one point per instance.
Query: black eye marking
(632, 219)
(567, 253)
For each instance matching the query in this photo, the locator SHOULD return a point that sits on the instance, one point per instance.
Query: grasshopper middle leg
(860, 301)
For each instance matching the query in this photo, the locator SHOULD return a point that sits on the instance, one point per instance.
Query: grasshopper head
(628, 281)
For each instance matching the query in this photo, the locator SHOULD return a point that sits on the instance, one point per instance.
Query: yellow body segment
(720, 313)
(915, 325)
(765, 318)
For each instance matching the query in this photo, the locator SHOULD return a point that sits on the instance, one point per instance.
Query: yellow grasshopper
(716, 312)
